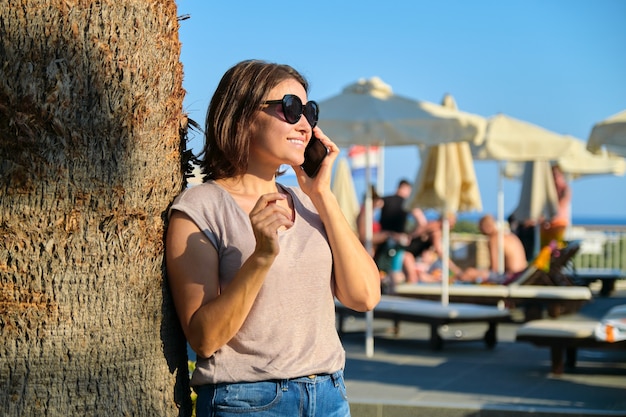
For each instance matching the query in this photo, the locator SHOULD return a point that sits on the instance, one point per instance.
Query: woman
(253, 265)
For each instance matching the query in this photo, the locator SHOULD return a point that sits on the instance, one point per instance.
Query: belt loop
(336, 377)
(284, 385)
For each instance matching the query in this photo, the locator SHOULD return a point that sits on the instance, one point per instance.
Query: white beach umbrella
(578, 162)
(510, 139)
(369, 113)
(610, 134)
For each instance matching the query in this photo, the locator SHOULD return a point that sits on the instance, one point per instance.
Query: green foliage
(191, 365)
(466, 226)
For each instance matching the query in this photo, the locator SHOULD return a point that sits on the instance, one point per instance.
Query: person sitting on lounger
(428, 267)
(514, 256)
(428, 235)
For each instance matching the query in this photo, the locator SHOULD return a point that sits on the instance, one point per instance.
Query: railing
(469, 250)
(602, 250)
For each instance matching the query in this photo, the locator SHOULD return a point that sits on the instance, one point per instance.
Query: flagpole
(500, 219)
(445, 226)
(445, 258)
(380, 186)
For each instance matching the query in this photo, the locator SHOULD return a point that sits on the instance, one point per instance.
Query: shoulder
(200, 192)
(199, 198)
(512, 238)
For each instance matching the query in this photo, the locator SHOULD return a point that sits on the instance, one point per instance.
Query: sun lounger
(555, 300)
(564, 338)
(434, 314)
(608, 277)
(534, 298)
(561, 260)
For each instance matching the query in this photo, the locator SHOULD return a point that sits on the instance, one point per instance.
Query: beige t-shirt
(290, 331)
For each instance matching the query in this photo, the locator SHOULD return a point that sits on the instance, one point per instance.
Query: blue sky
(558, 64)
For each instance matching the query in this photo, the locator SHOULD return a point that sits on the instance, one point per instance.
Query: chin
(297, 161)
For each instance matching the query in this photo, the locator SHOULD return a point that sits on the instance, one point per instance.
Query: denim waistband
(318, 377)
(309, 379)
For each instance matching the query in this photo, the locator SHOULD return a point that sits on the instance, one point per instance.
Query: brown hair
(233, 107)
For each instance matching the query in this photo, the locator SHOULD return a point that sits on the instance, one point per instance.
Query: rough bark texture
(90, 158)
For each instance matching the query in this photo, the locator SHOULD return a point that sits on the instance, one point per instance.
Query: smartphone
(314, 154)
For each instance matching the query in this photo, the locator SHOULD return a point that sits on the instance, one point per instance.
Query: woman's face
(274, 140)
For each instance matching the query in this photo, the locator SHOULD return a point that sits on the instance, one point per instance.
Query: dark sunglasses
(293, 109)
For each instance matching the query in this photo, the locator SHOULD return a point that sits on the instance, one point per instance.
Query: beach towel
(612, 327)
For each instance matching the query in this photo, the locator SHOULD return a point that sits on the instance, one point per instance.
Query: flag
(358, 159)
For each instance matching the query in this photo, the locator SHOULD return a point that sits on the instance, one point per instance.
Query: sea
(598, 222)
(588, 222)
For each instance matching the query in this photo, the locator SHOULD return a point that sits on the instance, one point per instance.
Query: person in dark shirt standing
(389, 255)
(392, 215)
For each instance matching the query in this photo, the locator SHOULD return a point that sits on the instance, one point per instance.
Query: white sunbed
(434, 314)
(533, 297)
(564, 337)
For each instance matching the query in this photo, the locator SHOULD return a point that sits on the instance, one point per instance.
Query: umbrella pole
(500, 220)
(568, 226)
(537, 243)
(445, 270)
(369, 316)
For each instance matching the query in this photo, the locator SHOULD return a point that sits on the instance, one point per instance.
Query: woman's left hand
(322, 180)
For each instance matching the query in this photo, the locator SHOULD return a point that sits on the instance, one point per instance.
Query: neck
(248, 184)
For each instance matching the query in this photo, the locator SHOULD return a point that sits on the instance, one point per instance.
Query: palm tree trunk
(90, 158)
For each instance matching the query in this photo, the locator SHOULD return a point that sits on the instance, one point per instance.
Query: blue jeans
(315, 396)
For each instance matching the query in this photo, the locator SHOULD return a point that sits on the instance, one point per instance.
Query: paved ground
(406, 378)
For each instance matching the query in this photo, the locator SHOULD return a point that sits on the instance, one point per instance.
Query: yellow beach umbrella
(538, 197)
(446, 182)
(344, 191)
